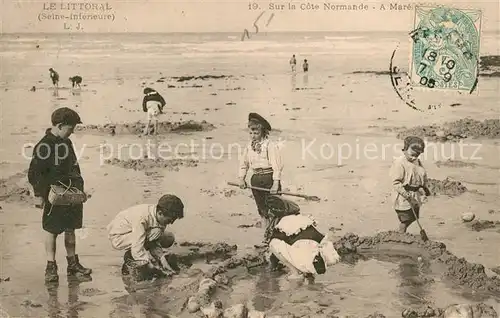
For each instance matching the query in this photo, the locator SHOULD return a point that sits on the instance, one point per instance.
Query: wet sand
(354, 192)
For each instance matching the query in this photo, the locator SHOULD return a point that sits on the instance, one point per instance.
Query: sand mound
(16, 189)
(481, 225)
(202, 77)
(456, 164)
(490, 65)
(137, 128)
(454, 131)
(149, 164)
(458, 270)
(446, 187)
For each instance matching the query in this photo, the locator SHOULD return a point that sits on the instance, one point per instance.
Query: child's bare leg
(50, 246)
(70, 242)
(156, 127)
(146, 129)
(293, 270)
(404, 226)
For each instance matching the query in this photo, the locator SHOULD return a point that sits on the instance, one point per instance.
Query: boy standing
(54, 160)
(409, 178)
(305, 66)
(263, 157)
(293, 63)
(140, 231)
(152, 104)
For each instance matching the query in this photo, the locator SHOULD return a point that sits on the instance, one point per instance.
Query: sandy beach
(326, 120)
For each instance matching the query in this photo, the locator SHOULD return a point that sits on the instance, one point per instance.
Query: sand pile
(149, 164)
(137, 128)
(202, 77)
(477, 310)
(456, 164)
(455, 131)
(481, 225)
(446, 187)
(207, 289)
(457, 270)
(16, 189)
(489, 65)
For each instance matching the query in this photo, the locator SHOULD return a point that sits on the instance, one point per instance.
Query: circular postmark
(401, 83)
(445, 49)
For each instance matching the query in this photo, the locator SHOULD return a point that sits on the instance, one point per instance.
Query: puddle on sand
(387, 284)
(383, 283)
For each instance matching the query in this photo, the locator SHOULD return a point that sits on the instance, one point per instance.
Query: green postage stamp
(445, 48)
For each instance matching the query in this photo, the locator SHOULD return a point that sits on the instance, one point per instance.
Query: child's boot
(51, 275)
(75, 268)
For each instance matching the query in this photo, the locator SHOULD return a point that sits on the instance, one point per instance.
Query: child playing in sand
(140, 231)
(76, 81)
(152, 104)
(409, 180)
(264, 158)
(54, 160)
(54, 76)
(296, 242)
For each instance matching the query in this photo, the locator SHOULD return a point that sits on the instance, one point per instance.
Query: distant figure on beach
(305, 66)
(263, 157)
(140, 232)
(409, 179)
(76, 81)
(293, 63)
(152, 104)
(50, 167)
(54, 76)
(297, 243)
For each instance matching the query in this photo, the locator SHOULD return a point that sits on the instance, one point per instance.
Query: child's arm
(162, 100)
(138, 235)
(39, 169)
(426, 186)
(144, 104)
(276, 160)
(397, 174)
(244, 165)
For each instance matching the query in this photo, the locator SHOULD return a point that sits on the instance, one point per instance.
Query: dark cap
(261, 120)
(172, 204)
(281, 207)
(148, 90)
(65, 115)
(415, 142)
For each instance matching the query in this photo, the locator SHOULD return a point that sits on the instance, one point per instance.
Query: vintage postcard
(249, 158)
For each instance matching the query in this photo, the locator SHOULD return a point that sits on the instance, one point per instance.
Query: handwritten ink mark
(245, 32)
(269, 21)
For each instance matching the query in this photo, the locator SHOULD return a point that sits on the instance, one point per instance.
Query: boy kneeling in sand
(140, 231)
(297, 243)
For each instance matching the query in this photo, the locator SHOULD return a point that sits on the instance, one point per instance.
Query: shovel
(307, 197)
(423, 234)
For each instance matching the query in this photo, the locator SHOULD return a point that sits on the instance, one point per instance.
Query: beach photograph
(250, 159)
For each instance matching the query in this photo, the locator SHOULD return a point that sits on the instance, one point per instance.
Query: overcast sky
(227, 16)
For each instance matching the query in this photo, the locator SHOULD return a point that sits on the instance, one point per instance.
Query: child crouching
(140, 232)
(296, 242)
